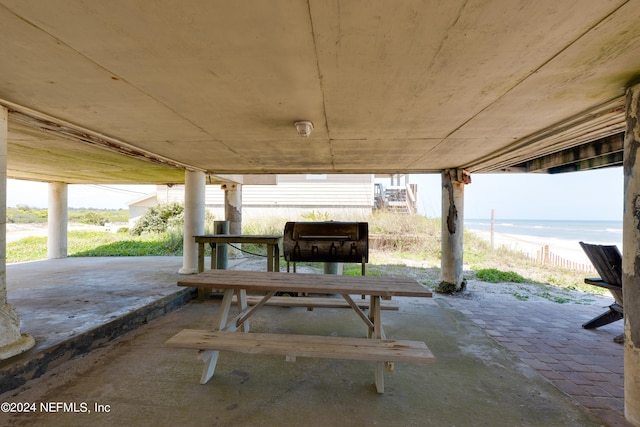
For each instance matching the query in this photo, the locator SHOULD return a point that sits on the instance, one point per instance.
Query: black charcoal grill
(328, 241)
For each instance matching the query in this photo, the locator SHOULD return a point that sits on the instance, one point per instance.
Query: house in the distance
(292, 197)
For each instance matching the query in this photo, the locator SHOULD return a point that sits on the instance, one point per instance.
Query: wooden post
(631, 257)
(545, 256)
(492, 228)
(453, 181)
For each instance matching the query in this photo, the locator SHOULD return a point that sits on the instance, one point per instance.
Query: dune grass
(395, 242)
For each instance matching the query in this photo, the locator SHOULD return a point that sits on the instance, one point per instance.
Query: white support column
(453, 181)
(631, 258)
(194, 205)
(58, 219)
(12, 342)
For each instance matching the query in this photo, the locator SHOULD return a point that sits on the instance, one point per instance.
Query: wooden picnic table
(237, 283)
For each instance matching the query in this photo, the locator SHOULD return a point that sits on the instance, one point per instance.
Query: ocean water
(598, 232)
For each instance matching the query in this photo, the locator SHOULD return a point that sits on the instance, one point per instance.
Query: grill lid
(328, 241)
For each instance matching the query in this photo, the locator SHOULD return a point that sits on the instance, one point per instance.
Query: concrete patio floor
(100, 325)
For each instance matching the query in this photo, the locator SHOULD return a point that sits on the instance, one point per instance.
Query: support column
(631, 258)
(12, 342)
(194, 198)
(233, 207)
(233, 213)
(57, 220)
(453, 181)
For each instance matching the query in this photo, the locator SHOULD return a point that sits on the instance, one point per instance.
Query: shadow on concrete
(101, 324)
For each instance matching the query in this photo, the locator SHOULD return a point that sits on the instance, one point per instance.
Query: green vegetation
(159, 219)
(520, 296)
(395, 241)
(27, 249)
(28, 215)
(98, 243)
(554, 298)
(493, 275)
(356, 270)
(124, 244)
(316, 216)
(98, 216)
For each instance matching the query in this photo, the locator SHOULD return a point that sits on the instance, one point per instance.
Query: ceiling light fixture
(304, 128)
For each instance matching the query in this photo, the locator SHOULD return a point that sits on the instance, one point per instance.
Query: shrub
(159, 219)
(26, 215)
(493, 275)
(98, 216)
(90, 217)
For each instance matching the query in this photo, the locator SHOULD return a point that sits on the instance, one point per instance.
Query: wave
(602, 232)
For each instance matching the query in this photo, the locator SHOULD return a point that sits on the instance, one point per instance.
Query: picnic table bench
(323, 302)
(224, 336)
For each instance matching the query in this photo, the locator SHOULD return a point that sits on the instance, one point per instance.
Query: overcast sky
(36, 194)
(593, 195)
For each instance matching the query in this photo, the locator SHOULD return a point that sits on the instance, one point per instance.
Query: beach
(534, 245)
(559, 237)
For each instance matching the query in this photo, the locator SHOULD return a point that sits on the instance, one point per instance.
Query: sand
(534, 246)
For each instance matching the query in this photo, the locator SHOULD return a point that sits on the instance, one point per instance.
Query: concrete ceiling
(126, 91)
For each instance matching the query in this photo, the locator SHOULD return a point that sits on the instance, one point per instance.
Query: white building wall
(338, 196)
(139, 207)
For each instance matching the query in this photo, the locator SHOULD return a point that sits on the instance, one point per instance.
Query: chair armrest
(602, 284)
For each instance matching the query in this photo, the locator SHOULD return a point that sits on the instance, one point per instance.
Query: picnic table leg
(210, 357)
(372, 318)
(270, 264)
(200, 257)
(214, 256)
(374, 311)
(201, 292)
(241, 296)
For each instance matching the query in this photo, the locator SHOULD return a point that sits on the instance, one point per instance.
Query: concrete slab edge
(30, 365)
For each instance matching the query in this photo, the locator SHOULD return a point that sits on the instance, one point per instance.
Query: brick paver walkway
(585, 364)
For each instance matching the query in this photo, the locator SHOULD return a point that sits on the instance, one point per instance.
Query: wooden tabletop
(302, 282)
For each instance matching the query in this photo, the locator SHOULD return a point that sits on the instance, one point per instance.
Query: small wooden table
(272, 242)
(240, 282)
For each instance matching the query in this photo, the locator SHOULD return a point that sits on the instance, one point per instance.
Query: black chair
(607, 261)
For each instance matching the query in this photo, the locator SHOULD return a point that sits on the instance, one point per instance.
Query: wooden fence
(545, 257)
